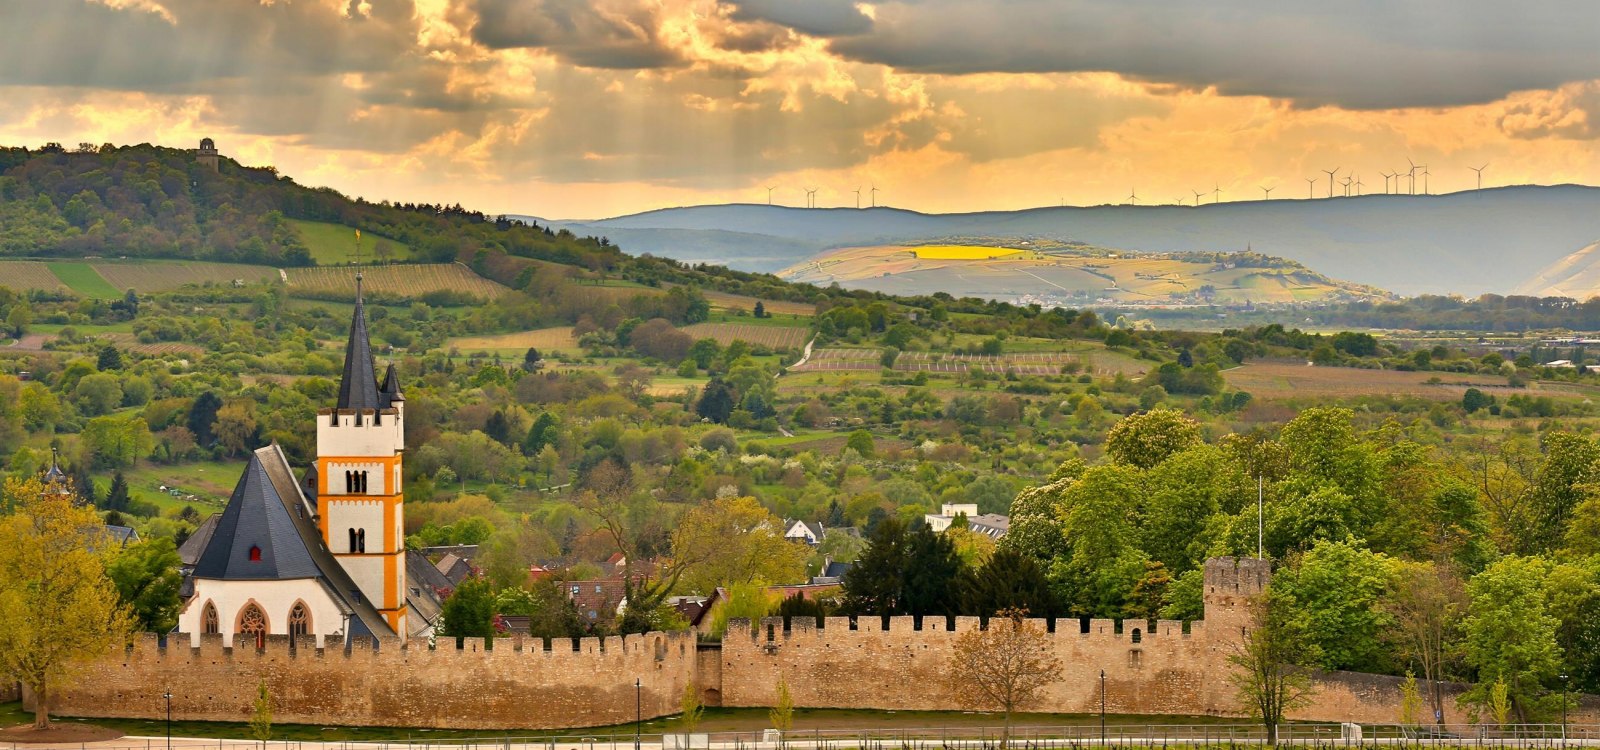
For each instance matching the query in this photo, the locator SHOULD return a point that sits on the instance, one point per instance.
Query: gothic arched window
(299, 619)
(208, 620)
(353, 541)
(253, 622)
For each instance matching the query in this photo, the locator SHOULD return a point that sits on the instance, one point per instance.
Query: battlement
(774, 629)
(147, 647)
(1237, 576)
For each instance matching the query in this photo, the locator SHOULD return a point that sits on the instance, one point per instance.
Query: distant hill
(1468, 243)
(1075, 276)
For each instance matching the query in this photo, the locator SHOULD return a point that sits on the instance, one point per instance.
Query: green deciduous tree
(1146, 439)
(1333, 595)
(469, 611)
(1510, 635)
(146, 576)
(1268, 675)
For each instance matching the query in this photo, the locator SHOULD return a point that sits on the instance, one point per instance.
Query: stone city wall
(514, 685)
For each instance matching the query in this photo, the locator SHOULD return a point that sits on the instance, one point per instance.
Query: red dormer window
(255, 554)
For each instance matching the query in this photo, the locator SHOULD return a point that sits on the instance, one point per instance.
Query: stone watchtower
(1231, 584)
(207, 155)
(360, 442)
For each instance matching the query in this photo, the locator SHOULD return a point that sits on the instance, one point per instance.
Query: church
(323, 556)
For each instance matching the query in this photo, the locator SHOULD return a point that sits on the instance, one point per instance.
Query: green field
(83, 279)
(335, 244)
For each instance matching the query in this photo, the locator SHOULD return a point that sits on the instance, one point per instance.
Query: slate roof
(425, 583)
(189, 552)
(256, 518)
(358, 388)
(122, 536)
(389, 390)
(268, 511)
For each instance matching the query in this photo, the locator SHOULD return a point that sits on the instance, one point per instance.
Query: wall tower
(358, 481)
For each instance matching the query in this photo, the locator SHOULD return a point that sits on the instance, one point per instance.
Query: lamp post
(1102, 707)
(168, 696)
(638, 710)
(1564, 680)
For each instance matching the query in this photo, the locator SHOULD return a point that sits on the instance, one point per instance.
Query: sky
(594, 108)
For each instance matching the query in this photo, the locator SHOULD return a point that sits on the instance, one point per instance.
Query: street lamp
(1102, 707)
(168, 696)
(638, 710)
(1564, 681)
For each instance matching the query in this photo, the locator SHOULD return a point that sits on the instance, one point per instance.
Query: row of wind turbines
(1352, 185)
(811, 196)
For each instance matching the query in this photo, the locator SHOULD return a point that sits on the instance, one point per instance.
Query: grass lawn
(335, 244)
(714, 720)
(211, 482)
(83, 279)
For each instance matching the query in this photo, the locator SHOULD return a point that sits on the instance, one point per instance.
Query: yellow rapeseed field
(962, 252)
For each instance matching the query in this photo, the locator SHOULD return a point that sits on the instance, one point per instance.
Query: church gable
(255, 538)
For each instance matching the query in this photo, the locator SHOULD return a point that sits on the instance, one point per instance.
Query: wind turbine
(858, 196)
(1218, 192)
(1311, 184)
(874, 192)
(1479, 170)
(811, 197)
(1386, 176)
(1346, 185)
(1425, 179)
(769, 195)
(1331, 173)
(1197, 195)
(1412, 175)
(1268, 191)
(1133, 196)
(1358, 186)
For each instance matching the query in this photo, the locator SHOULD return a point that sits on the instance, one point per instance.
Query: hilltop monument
(207, 154)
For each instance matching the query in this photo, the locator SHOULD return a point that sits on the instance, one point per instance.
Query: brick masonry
(1159, 668)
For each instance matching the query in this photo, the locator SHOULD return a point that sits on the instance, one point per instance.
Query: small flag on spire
(358, 235)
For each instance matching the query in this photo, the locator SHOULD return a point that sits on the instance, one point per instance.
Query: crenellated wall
(516, 684)
(1162, 668)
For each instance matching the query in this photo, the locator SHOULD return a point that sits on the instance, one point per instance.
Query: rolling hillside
(1067, 276)
(1469, 243)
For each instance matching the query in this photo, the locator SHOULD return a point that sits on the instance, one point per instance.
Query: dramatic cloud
(588, 107)
(1363, 55)
(619, 35)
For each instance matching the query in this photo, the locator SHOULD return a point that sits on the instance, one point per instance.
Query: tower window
(361, 540)
(353, 541)
(355, 482)
(255, 554)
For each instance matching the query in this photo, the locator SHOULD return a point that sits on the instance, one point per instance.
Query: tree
(1010, 580)
(202, 416)
(469, 611)
(1425, 603)
(98, 394)
(1474, 400)
(117, 497)
(1334, 594)
(117, 442)
(147, 579)
(760, 310)
(235, 427)
(716, 401)
(734, 541)
(531, 360)
(1511, 636)
(1267, 673)
(874, 585)
(860, 441)
(690, 709)
(1147, 439)
(1005, 666)
(109, 359)
(261, 714)
(59, 611)
(782, 712)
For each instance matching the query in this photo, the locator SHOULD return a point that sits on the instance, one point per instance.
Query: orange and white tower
(359, 500)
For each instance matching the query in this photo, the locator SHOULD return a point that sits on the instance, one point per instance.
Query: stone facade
(1161, 668)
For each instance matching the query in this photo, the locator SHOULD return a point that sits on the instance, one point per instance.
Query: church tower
(358, 475)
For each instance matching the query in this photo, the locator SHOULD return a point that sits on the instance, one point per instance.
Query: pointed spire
(55, 480)
(358, 389)
(390, 390)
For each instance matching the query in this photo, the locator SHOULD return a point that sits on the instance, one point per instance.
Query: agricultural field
(160, 348)
(1098, 362)
(775, 337)
(166, 276)
(335, 244)
(559, 338)
(962, 252)
(1068, 277)
(83, 279)
(27, 274)
(1288, 380)
(725, 301)
(401, 281)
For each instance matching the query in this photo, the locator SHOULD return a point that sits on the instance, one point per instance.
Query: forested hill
(149, 201)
